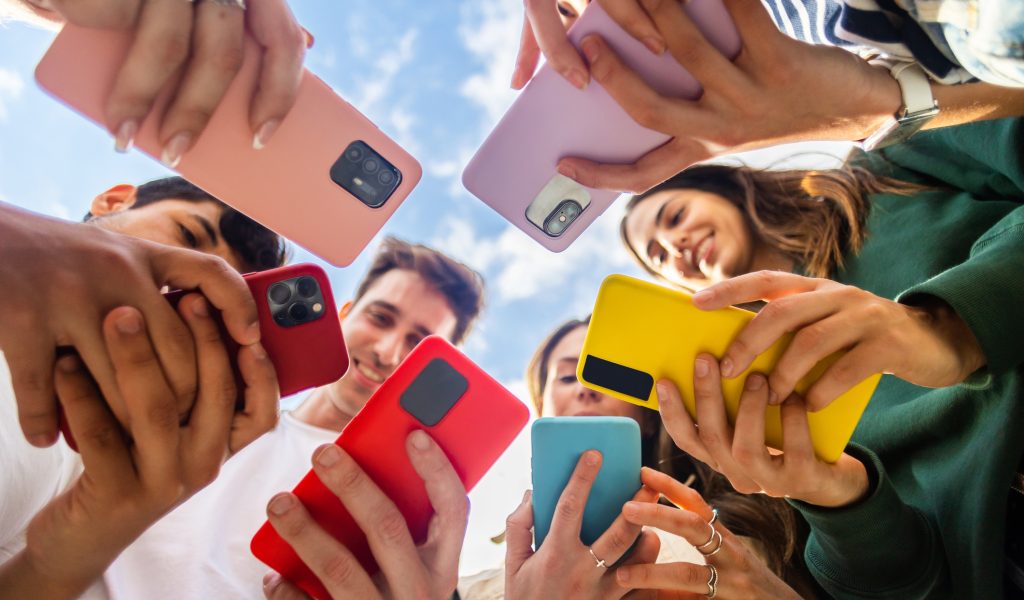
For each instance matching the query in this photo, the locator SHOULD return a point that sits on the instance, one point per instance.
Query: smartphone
(436, 389)
(558, 443)
(514, 173)
(299, 328)
(641, 332)
(328, 179)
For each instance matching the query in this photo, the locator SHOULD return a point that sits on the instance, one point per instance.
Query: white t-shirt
(201, 549)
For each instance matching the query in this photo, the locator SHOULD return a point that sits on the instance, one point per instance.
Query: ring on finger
(240, 4)
(716, 537)
(711, 525)
(597, 561)
(712, 581)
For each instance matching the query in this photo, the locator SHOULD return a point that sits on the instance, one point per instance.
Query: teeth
(374, 377)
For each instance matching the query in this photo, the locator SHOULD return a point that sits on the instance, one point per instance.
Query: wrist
(951, 332)
(882, 99)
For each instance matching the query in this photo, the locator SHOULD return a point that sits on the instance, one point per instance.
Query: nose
(389, 350)
(586, 395)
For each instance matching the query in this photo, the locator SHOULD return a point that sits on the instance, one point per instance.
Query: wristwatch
(918, 108)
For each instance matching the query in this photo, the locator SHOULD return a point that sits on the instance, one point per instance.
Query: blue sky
(433, 75)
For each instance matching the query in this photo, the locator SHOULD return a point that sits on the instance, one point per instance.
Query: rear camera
(563, 216)
(307, 287)
(386, 177)
(365, 174)
(371, 165)
(280, 293)
(298, 311)
(354, 153)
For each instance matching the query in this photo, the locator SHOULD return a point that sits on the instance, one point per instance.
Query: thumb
(519, 535)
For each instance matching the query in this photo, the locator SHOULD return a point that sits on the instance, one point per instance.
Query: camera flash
(357, 181)
(561, 218)
(318, 307)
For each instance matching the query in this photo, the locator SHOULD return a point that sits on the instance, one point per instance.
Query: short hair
(258, 247)
(461, 286)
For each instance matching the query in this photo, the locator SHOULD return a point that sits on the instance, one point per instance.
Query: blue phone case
(558, 443)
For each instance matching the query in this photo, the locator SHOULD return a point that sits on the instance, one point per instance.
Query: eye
(565, 11)
(378, 318)
(188, 237)
(413, 341)
(567, 379)
(677, 216)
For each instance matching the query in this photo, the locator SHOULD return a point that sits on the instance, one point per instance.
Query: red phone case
(306, 355)
(473, 433)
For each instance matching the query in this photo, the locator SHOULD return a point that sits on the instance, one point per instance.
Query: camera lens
(371, 165)
(386, 177)
(354, 153)
(280, 293)
(298, 311)
(281, 316)
(307, 287)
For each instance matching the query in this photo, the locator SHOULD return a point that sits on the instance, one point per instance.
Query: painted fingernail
(591, 49)
(171, 155)
(773, 398)
(258, 352)
(199, 308)
(726, 367)
(701, 367)
(419, 440)
(592, 457)
(263, 133)
(281, 503)
(654, 44)
(68, 364)
(755, 382)
(329, 456)
(128, 323)
(578, 79)
(125, 137)
(42, 440)
(567, 171)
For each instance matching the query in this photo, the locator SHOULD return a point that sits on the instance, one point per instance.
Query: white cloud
(377, 86)
(490, 32)
(11, 86)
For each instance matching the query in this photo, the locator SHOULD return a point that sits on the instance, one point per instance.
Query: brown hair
(460, 285)
(815, 218)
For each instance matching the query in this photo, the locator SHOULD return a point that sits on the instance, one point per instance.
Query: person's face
(570, 10)
(690, 237)
(565, 396)
(392, 316)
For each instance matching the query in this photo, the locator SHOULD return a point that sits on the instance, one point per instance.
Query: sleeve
(906, 559)
(987, 292)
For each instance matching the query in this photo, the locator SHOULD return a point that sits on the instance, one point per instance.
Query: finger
(262, 396)
(635, 20)
(679, 424)
(797, 447)
(275, 29)
(222, 286)
(386, 529)
(100, 14)
(147, 395)
(667, 576)
(551, 38)
(160, 46)
(621, 534)
(31, 363)
(527, 58)
(750, 287)
(755, 26)
(648, 171)
(748, 445)
(688, 525)
(691, 49)
(276, 587)
(329, 560)
(678, 493)
(519, 535)
(714, 430)
(99, 437)
(813, 343)
(568, 518)
(850, 369)
(447, 496)
(209, 426)
(217, 50)
(647, 547)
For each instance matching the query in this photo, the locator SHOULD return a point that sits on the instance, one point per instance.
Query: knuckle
(227, 60)
(349, 479)
(339, 569)
(710, 438)
(170, 50)
(569, 506)
(648, 115)
(691, 574)
(28, 380)
(103, 437)
(162, 416)
(392, 528)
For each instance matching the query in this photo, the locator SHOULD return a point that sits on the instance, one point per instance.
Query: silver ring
(599, 563)
(240, 4)
(712, 581)
(711, 525)
(717, 548)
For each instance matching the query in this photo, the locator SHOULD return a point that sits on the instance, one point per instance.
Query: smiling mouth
(702, 254)
(366, 372)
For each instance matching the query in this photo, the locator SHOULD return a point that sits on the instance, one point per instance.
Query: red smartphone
(299, 328)
(436, 389)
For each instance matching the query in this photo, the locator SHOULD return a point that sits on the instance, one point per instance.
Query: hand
(740, 454)
(740, 573)
(544, 32)
(564, 567)
(776, 90)
(927, 345)
(429, 570)
(199, 47)
(131, 480)
(61, 278)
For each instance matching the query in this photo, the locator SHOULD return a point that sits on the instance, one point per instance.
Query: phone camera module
(564, 214)
(296, 301)
(280, 293)
(307, 287)
(364, 173)
(298, 312)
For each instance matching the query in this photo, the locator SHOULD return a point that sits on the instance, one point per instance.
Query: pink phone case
(286, 185)
(551, 119)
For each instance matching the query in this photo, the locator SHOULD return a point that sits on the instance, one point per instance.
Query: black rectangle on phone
(613, 376)
(434, 392)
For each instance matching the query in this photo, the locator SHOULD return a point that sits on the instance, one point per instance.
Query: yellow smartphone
(642, 332)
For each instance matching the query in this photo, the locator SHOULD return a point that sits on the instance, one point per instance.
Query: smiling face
(690, 237)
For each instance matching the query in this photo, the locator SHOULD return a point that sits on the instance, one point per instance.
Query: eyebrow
(394, 309)
(210, 229)
(572, 359)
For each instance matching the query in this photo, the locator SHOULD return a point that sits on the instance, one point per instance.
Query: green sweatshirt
(941, 460)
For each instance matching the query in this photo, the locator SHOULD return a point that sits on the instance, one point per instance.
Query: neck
(320, 410)
(768, 258)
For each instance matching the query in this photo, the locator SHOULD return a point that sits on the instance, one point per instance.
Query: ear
(116, 199)
(345, 309)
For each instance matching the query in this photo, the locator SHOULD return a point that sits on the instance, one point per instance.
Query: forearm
(975, 102)
(21, 577)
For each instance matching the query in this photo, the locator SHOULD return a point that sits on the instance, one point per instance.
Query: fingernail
(704, 296)
(42, 440)
(171, 155)
(125, 138)
(199, 308)
(517, 77)
(419, 440)
(773, 398)
(128, 323)
(526, 496)
(592, 457)
(654, 44)
(662, 390)
(263, 133)
(726, 367)
(578, 79)
(281, 504)
(258, 352)
(701, 367)
(68, 364)
(755, 382)
(253, 332)
(309, 37)
(591, 50)
(271, 581)
(567, 171)
(329, 456)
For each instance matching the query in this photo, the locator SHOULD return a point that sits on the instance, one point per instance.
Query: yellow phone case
(641, 332)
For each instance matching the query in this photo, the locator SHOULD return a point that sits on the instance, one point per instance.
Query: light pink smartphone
(328, 179)
(514, 173)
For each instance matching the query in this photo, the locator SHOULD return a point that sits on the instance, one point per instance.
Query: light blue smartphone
(558, 443)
